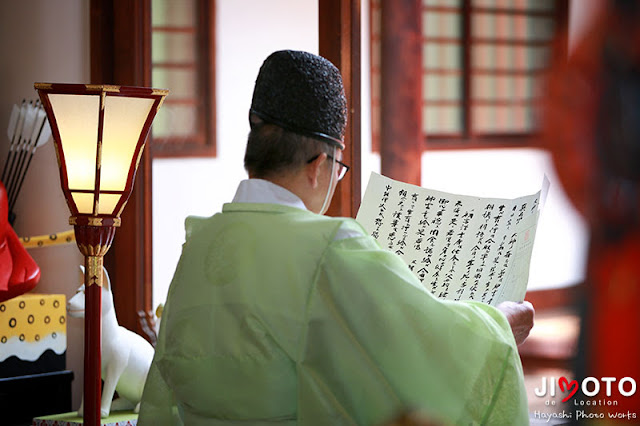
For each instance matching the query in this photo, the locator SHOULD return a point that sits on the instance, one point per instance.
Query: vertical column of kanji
(480, 247)
(422, 238)
(464, 279)
(489, 243)
(434, 235)
(455, 249)
(496, 278)
(392, 236)
(404, 222)
(408, 218)
(382, 208)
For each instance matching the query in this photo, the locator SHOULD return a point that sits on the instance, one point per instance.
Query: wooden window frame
(467, 139)
(203, 142)
(339, 42)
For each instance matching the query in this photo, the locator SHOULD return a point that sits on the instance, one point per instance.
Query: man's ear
(313, 170)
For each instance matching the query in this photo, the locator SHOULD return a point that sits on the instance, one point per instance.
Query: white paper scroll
(460, 247)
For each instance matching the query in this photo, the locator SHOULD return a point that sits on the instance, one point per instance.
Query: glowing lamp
(99, 133)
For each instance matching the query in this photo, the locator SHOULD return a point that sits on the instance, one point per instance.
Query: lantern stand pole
(93, 237)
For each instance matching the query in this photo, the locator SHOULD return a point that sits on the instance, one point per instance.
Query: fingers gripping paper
(460, 247)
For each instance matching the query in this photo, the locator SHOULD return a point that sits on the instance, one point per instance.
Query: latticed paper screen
(510, 47)
(175, 65)
(482, 63)
(182, 60)
(442, 61)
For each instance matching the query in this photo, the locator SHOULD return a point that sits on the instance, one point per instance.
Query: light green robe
(271, 319)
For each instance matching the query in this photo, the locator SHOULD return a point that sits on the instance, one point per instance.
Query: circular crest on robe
(303, 93)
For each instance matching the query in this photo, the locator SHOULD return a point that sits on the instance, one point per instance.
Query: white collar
(263, 191)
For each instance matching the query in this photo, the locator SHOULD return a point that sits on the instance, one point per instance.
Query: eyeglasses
(342, 168)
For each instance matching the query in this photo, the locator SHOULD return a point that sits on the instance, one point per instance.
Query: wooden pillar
(339, 27)
(401, 135)
(121, 54)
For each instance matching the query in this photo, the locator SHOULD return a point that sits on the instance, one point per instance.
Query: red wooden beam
(339, 27)
(401, 132)
(121, 54)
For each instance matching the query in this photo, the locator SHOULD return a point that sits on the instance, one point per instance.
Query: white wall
(370, 162)
(559, 251)
(45, 41)
(247, 31)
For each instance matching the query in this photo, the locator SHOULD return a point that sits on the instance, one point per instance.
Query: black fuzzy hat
(302, 93)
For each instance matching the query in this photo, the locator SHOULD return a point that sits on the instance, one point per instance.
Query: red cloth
(614, 323)
(593, 164)
(19, 273)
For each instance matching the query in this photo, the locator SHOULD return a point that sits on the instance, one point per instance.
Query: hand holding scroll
(520, 317)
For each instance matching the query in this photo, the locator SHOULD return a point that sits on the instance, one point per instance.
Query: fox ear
(81, 273)
(106, 282)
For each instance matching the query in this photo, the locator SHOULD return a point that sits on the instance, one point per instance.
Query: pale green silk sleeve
(378, 343)
(159, 405)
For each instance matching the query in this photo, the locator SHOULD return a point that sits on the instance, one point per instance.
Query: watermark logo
(590, 387)
(604, 391)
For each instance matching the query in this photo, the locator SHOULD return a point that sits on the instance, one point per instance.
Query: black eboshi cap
(302, 93)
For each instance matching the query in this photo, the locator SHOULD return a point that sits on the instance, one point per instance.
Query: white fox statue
(126, 356)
